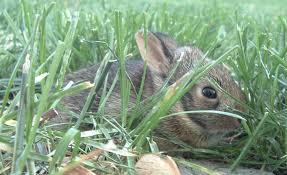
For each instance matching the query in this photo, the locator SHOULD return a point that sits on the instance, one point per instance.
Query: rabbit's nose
(233, 123)
(237, 123)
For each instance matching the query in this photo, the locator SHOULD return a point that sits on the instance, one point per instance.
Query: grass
(45, 40)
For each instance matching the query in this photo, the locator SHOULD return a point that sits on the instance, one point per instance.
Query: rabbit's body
(199, 130)
(113, 105)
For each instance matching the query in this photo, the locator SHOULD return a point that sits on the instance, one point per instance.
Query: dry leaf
(78, 170)
(153, 164)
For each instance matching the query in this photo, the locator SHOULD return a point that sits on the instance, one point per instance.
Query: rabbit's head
(201, 130)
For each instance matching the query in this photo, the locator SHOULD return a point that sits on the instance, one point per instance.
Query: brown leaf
(78, 170)
(154, 164)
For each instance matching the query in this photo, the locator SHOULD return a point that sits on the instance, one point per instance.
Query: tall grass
(41, 42)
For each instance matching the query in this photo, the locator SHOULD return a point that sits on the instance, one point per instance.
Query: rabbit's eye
(209, 92)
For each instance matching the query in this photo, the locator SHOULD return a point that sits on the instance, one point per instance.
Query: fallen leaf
(155, 164)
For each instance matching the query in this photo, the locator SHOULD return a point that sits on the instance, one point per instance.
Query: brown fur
(161, 54)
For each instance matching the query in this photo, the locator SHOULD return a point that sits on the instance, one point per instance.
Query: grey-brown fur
(134, 70)
(161, 54)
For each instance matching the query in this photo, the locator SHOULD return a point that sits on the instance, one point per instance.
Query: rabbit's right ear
(159, 51)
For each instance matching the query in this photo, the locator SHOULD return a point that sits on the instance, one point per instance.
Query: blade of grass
(70, 135)
(43, 38)
(26, 16)
(278, 58)
(274, 89)
(67, 92)
(98, 81)
(42, 106)
(196, 167)
(124, 83)
(251, 140)
(62, 46)
(206, 111)
(14, 28)
(139, 94)
(67, 55)
(31, 81)
(14, 73)
(19, 138)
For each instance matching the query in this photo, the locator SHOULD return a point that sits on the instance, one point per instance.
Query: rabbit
(161, 54)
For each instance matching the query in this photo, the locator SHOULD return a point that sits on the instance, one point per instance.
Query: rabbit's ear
(159, 51)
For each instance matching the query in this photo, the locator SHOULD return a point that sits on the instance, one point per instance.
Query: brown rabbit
(200, 130)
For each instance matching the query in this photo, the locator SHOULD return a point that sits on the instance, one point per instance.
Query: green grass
(38, 37)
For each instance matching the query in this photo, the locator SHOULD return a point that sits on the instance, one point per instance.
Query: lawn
(41, 42)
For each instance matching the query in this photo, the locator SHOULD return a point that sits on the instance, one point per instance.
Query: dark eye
(209, 92)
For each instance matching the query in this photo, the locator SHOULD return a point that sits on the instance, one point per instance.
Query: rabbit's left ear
(159, 52)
